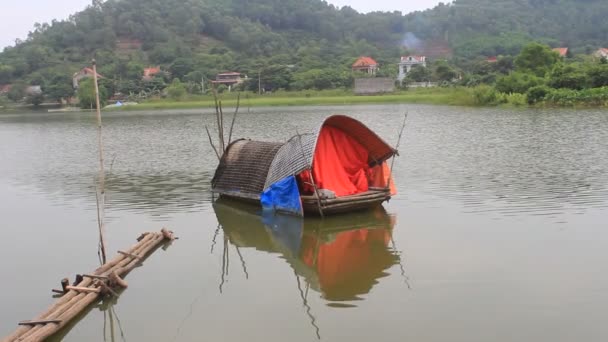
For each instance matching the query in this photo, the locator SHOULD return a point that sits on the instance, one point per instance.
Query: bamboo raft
(87, 289)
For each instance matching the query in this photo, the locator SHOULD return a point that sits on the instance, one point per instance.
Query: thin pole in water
(101, 192)
(390, 177)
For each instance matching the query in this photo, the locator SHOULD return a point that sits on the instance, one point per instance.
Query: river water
(498, 232)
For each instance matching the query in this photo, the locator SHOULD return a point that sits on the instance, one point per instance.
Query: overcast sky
(17, 17)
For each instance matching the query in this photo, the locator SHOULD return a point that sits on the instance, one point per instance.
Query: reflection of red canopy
(348, 265)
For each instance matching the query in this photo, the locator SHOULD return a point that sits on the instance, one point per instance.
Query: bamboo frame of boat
(87, 289)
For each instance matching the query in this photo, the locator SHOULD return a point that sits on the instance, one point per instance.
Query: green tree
(17, 92)
(517, 82)
(176, 90)
(86, 94)
(181, 67)
(419, 74)
(6, 73)
(570, 76)
(443, 72)
(598, 75)
(59, 87)
(35, 99)
(537, 59)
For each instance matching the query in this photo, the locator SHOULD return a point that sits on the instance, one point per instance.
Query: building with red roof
(150, 72)
(366, 64)
(562, 51)
(82, 74)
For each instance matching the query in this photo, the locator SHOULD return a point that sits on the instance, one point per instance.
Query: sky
(17, 18)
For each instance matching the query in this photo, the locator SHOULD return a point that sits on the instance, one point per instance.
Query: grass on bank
(439, 96)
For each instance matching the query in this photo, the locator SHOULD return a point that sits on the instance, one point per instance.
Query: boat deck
(365, 200)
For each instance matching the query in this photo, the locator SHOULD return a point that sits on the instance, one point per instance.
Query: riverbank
(438, 96)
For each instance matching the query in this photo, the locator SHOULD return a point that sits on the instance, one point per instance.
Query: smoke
(411, 42)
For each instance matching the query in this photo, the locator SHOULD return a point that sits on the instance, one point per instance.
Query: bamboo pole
(101, 190)
(390, 171)
(236, 111)
(74, 301)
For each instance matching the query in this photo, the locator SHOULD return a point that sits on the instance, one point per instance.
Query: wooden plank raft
(87, 289)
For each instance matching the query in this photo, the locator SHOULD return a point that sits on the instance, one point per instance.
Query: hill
(294, 44)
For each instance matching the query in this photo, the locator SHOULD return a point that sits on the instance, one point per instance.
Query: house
(150, 72)
(407, 63)
(229, 79)
(82, 74)
(562, 51)
(33, 90)
(366, 64)
(492, 59)
(5, 88)
(601, 53)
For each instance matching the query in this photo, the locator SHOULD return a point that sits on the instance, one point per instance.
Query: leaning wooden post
(101, 191)
(390, 174)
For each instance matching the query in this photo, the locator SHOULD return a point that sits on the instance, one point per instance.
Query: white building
(601, 53)
(406, 64)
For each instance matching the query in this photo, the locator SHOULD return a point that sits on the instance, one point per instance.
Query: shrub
(537, 94)
(517, 82)
(487, 96)
(516, 99)
(177, 90)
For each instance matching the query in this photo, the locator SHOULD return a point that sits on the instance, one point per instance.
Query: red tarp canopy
(341, 164)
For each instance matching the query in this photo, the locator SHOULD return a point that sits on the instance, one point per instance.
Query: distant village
(365, 70)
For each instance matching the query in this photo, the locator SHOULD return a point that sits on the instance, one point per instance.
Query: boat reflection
(340, 257)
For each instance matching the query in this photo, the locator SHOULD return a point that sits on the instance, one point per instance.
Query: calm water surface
(498, 232)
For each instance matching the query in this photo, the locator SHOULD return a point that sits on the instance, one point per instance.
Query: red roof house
(492, 59)
(562, 51)
(83, 73)
(150, 72)
(366, 64)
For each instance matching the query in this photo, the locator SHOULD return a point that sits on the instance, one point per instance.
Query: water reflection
(113, 328)
(340, 257)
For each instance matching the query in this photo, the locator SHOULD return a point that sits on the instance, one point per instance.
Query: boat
(341, 167)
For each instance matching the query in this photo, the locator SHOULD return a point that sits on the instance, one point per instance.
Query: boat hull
(341, 205)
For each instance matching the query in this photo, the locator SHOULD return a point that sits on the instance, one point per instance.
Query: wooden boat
(340, 168)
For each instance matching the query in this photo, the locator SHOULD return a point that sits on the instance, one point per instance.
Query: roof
(492, 59)
(413, 58)
(603, 51)
(231, 73)
(33, 90)
(562, 51)
(151, 71)
(364, 62)
(87, 71)
(243, 168)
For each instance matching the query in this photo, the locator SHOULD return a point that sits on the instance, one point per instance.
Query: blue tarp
(283, 196)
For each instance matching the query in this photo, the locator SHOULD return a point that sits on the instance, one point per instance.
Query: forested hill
(494, 27)
(312, 37)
